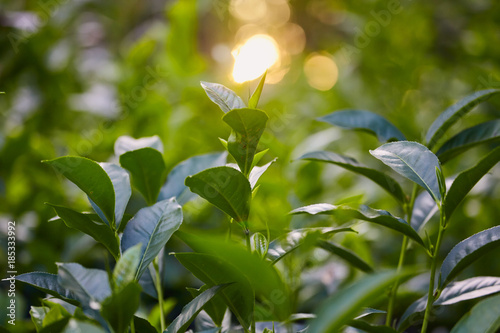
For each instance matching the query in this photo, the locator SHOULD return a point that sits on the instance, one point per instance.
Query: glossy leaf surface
(48, 283)
(224, 97)
(86, 284)
(352, 258)
(119, 308)
(483, 318)
(127, 143)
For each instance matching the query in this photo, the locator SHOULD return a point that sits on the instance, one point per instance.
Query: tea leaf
(48, 283)
(224, 97)
(254, 100)
(483, 318)
(86, 284)
(258, 171)
(126, 267)
(346, 254)
(127, 143)
(114, 311)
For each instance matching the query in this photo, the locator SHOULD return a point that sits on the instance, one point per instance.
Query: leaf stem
(430, 295)
(160, 293)
(247, 239)
(132, 326)
(402, 253)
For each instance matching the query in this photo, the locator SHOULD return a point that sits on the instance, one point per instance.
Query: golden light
(321, 72)
(254, 57)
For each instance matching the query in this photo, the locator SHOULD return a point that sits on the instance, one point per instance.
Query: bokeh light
(254, 57)
(321, 71)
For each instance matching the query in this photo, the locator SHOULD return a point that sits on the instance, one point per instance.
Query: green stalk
(132, 326)
(430, 295)
(402, 253)
(247, 239)
(160, 293)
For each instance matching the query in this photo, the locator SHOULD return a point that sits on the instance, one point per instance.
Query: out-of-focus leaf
(254, 100)
(413, 161)
(97, 230)
(85, 283)
(175, 187)
(248, 126)
(466, 180)
(225, 188)
(364, 213)
(48, 283)
(370, 328)
(119, 308)
(147, 168)
(258, 171)
(483, 318)
(379, 178)
(215, 308)
(365, 121)
(343, 306)
(346, 254)
(152, 227)
(126, 267)
(452, 114)
(487, 132)
(224, 97)
(466, 252)
(127, 143)
(257, 157)
(259, 244)
(455, 292)
(91, 178)
(181, 323)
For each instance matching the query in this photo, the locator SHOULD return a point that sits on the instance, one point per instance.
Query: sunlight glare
(252, 59)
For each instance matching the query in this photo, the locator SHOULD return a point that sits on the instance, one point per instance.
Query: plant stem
(247, 239)
(132, 326)
(160, 293)
(430, 295)
(402, 253)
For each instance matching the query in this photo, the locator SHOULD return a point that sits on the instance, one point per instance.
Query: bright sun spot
(253, 58)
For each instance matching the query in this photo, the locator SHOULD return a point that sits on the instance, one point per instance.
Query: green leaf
(147, 168)
(379, 178)
(126, 267)
(455, 292)
(175, 187)
(127, 143)
(265, 280)
(97, 230)
(424, 209)
(466, 252)
(37, 314)
(466, 180)
(364, 213)
(257, 157)
(224, 97)
(367, 327)
(254, 100)
(75, 325)
(483, 318)
(413, 161)
(452, 114)
(119, 308)
(488, 132)
(86, 284)
(143, 326)
(259, 244)
(48, 283)
(152, 227)
(91, 178)
(225, 188)
(213, 271)
(291, 241)
(215, 308)
(346, 254)
(365, 121)
(248, 126)
(181, 323)
(258, 171)
(343, 306)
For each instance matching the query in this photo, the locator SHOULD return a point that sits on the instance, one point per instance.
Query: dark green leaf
(343, 306)
(364, 213)
(381, 179)
(424, 209)
(466, 252)
(126, 267)
(367, 327)
(452, 114)
(181, 323)
(248, 126)
(147, 168)
(152, 227)
(346, 254)
(48, 283)
(97, 230)
(254, 100)
(487, 132)
(215, 308)
(224, 187)
(258, 171)
(143, 326)
(224, 97)
(119, 308)
(175, 187)
(466, 180)
(483, 318)
(85, 283)
(91, 178)
(365, 121)
(127, 143)
(413, 161)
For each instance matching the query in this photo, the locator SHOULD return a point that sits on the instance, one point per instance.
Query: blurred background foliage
(78, 74)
